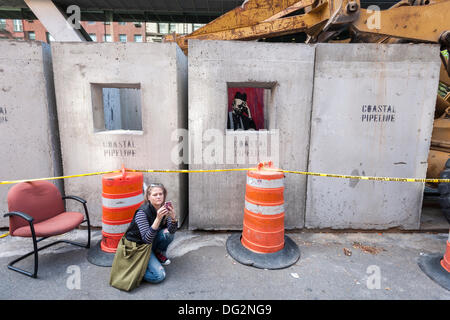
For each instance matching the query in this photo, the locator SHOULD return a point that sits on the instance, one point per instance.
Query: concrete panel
(28, 121)
(216, 200)
(160, 72)
(349, 137)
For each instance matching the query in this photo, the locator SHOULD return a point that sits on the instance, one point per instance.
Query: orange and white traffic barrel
(122, 195)
(263, 243)
(445, 262)
(437, 267)
(263, 227)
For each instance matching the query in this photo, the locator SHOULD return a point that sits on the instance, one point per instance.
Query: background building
(99, 31)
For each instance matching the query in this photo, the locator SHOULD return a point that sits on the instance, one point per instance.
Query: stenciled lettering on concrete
(3, 115)
(378, 113)
(124, 148)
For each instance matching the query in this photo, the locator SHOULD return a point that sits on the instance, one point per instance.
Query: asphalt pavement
(332, 265)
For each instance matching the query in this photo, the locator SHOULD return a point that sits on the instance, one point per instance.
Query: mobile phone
(168, 204)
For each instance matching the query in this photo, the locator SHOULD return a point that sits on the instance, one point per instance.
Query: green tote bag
(129, 265)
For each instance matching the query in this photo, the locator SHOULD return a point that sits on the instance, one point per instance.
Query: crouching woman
(141, 251)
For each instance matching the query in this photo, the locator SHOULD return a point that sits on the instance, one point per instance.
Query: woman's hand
(161, 213)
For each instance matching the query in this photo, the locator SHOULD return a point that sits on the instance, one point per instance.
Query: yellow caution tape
(360, 177)
(56, 178)
(191, 171)
(4, 235)
(240, 169)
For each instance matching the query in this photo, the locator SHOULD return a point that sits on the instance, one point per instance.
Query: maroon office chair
(36, 209)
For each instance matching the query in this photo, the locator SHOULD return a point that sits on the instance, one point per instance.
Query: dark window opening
(116, 107)
(248, 106)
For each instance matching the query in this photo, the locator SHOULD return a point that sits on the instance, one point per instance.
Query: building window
(93, 36)
(163, 28)
(108, 38)
(197, 26)
(18, 27)
(2, 24)
(107, 22)
(49, 37)
(31, 35)
(122, 37)
(91, 22)
(137, 38)
(122, 23)
(172, 27)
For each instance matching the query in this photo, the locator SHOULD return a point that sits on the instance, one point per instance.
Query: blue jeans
(155, 272)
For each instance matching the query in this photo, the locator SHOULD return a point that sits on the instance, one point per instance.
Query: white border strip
(122, 202)
(113, 229)
(264, 183)
(265, 210)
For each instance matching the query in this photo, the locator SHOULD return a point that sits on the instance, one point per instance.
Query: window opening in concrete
(116, 107)
(248, 105)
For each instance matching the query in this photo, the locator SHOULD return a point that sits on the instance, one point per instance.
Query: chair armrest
(75, 198)
(20, 214)
(84, 202)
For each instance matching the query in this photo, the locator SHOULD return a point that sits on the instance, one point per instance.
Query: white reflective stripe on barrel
(449, 237)
(115, 228)
(266, 210)
(265, 183)
(122, 202)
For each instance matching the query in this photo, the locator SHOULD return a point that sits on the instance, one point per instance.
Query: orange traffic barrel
(445, 262)
(263, 243)
(122, 195)
(263, 227)
(437, 267)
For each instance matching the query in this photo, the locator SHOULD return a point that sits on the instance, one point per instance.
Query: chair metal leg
(88, 224)
(36, 250)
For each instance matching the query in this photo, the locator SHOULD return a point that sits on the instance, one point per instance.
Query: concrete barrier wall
(81, 71)
(28, 123)
(349, 137)
(216, 200)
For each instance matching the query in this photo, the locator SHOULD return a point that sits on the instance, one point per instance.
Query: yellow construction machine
(408, 21)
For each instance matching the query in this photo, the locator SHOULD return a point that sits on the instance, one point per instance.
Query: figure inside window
(240, 117)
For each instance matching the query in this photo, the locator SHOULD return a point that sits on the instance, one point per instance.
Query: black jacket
(240, 121)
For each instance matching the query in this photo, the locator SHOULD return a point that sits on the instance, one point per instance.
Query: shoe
(162, 258)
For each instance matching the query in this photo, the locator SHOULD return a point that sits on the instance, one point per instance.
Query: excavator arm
(322, 20)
